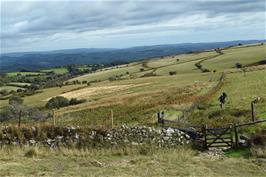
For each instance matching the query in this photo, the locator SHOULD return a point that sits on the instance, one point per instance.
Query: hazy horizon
(29, 51)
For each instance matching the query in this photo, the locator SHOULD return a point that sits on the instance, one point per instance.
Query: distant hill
(47, 59)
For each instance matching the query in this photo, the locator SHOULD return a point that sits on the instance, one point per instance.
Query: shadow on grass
(238, 153)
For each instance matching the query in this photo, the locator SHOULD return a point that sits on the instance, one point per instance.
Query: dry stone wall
(76, 137)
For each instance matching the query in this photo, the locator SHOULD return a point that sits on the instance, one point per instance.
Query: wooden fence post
(158, 118)
(54, 116)
(19, 118)
(231, 135)
(112, 119)
(252, 111)
(236, 135)
(203, 129)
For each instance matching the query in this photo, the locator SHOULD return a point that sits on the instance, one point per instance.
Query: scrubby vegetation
(60, 101)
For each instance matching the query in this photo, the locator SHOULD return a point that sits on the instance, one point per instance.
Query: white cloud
(42, 23)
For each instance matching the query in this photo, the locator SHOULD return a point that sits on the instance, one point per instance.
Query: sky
(52, 25)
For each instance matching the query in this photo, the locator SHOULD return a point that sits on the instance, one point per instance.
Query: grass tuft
(31, 153)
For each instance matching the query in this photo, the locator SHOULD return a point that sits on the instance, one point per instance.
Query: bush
(36, 114)
(19, 90)
(259, 138)
(112, 78)
(57, 102)
(74, 101)
(198, 65)
(172, 73)
(4, 92)
(15, 100)
(205, 70)
(238, 65)
(149, 74)
(34, 87)
(12, 92)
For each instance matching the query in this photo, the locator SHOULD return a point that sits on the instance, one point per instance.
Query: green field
(12, 74)
(10, 88)
(188, 67)
(244, 56)
(244, 88)
(21, 84)
(110, 72)
(81, 68)
(172, 60)
(241, 88)
(56, 70)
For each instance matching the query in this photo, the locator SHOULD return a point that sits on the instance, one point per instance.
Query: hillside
(136, 91)
(39, 60)
(122, 102)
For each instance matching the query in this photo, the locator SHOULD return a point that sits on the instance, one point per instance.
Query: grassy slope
(157, 91)
(188, 67)
(243, 55)
(155, 63)
(141, 161)
(153, 90)
(105, 74)
(139, 102)
(241, 90)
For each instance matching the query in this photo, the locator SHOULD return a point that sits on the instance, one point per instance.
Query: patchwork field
(107, 73)
(141, 89)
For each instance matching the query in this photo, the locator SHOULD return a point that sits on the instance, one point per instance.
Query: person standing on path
(222, 99)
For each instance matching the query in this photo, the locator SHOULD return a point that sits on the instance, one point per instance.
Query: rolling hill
(136, 91)
(40, 60)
